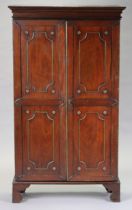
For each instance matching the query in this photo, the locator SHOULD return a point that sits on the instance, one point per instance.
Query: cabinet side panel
(115, 94)
(17, 95)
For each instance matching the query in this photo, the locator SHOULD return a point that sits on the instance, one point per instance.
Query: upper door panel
(92, 59)
(40, 51)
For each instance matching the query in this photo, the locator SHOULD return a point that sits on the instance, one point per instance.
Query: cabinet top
(89, 13)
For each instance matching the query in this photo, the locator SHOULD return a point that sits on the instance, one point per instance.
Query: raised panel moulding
(93, 70)
(33, 42)
(39, 165)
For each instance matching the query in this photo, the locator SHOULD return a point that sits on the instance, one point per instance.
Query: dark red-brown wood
(92, 13)
(66, 81)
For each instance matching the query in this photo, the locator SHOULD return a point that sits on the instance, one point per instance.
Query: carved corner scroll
(81, 86)
(30, 38)
(32, 163)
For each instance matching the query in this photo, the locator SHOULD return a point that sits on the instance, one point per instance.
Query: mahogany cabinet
(66, 96)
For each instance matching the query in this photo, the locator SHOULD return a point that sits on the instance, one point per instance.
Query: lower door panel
(90, 144)
(42, 143)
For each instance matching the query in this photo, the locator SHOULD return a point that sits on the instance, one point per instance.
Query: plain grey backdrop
(73, 197)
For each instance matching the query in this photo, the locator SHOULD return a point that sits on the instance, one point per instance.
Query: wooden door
(40, 91)
(90, 91)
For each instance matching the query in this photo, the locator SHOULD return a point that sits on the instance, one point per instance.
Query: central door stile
(63, 96)
(66, 47)
(69, 90)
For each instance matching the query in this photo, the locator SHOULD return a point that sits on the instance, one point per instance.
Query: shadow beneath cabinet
(65, 195)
